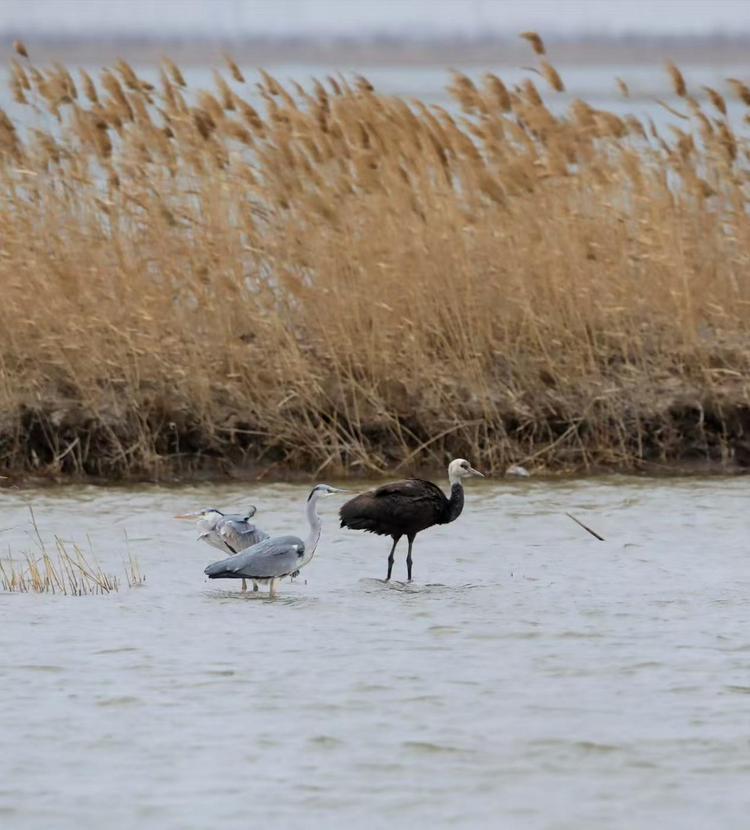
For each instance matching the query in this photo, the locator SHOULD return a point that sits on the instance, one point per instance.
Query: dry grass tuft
(63, 571)
(233, 69)
(133, 573)
(741, 91)
(716, 99)
(678, 82)
(537, 44)
(551, 75)
(334, 279)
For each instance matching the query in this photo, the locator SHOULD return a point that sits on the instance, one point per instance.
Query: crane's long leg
(272, 586)
(408, 558)
(244, 584)
(390, 557)
(255, 586)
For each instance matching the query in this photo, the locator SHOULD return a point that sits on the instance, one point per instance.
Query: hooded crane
(407, 507)
(229, 532)
(273, 559)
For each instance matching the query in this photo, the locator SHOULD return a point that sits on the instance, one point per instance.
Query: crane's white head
(460, 469)
(322, 490)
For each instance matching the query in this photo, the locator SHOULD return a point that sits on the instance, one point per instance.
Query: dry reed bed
(65, 570)
(335, 279)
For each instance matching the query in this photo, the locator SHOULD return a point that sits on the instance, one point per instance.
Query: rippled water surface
(530, 677)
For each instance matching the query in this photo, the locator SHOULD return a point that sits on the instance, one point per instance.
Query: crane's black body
(403, 508)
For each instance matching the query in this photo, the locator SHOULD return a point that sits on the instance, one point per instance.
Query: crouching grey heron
(228, 532)
(271, 560)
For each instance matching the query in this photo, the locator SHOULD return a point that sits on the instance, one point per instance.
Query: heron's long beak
(474, 472)
(194, 515)
(340, 490)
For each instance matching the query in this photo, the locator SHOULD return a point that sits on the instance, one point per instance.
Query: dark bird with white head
(405, 508)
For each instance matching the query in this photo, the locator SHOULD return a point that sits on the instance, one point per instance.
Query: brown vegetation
(67, 572)
(340, 280)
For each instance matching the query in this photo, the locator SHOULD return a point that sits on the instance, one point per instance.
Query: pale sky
(227, 18)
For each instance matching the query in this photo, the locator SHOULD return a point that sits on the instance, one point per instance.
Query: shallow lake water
(530, 676)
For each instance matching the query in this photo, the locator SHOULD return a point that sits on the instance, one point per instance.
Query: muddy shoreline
(66, 443)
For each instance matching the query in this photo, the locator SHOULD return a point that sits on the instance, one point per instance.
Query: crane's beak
(474, 472)
(194, 515)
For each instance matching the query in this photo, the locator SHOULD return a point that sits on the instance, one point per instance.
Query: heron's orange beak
(187, 516)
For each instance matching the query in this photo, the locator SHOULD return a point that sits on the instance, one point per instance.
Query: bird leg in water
(244, 584)
(408, 559)
(272, 586)
(390, 557)
(255, 586)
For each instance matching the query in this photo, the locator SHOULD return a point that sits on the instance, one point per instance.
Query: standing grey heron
(229, 532)
(273, 559)
(405, 508)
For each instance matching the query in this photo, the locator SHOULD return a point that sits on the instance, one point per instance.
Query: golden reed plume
(331, 278)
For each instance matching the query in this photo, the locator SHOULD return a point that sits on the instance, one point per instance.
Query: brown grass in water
(332, 279)
(63, 571)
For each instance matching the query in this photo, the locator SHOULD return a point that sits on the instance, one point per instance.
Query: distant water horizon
(378, 50)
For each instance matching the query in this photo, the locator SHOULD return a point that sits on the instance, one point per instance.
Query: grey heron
(273, 559)
(229, 532)
(405, 508)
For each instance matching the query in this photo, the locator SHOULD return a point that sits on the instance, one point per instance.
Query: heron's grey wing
(239, 535)
(241, 517)
(274, 557)
(232, 517)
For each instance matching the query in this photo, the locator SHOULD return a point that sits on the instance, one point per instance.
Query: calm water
(531, 677)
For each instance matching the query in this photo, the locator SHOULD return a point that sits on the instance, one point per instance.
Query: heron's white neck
(315, 528)
(212, 518)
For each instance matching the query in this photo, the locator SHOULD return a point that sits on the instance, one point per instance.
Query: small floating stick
(593, 533)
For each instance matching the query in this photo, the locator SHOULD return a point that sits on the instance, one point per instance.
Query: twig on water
(592, 532)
